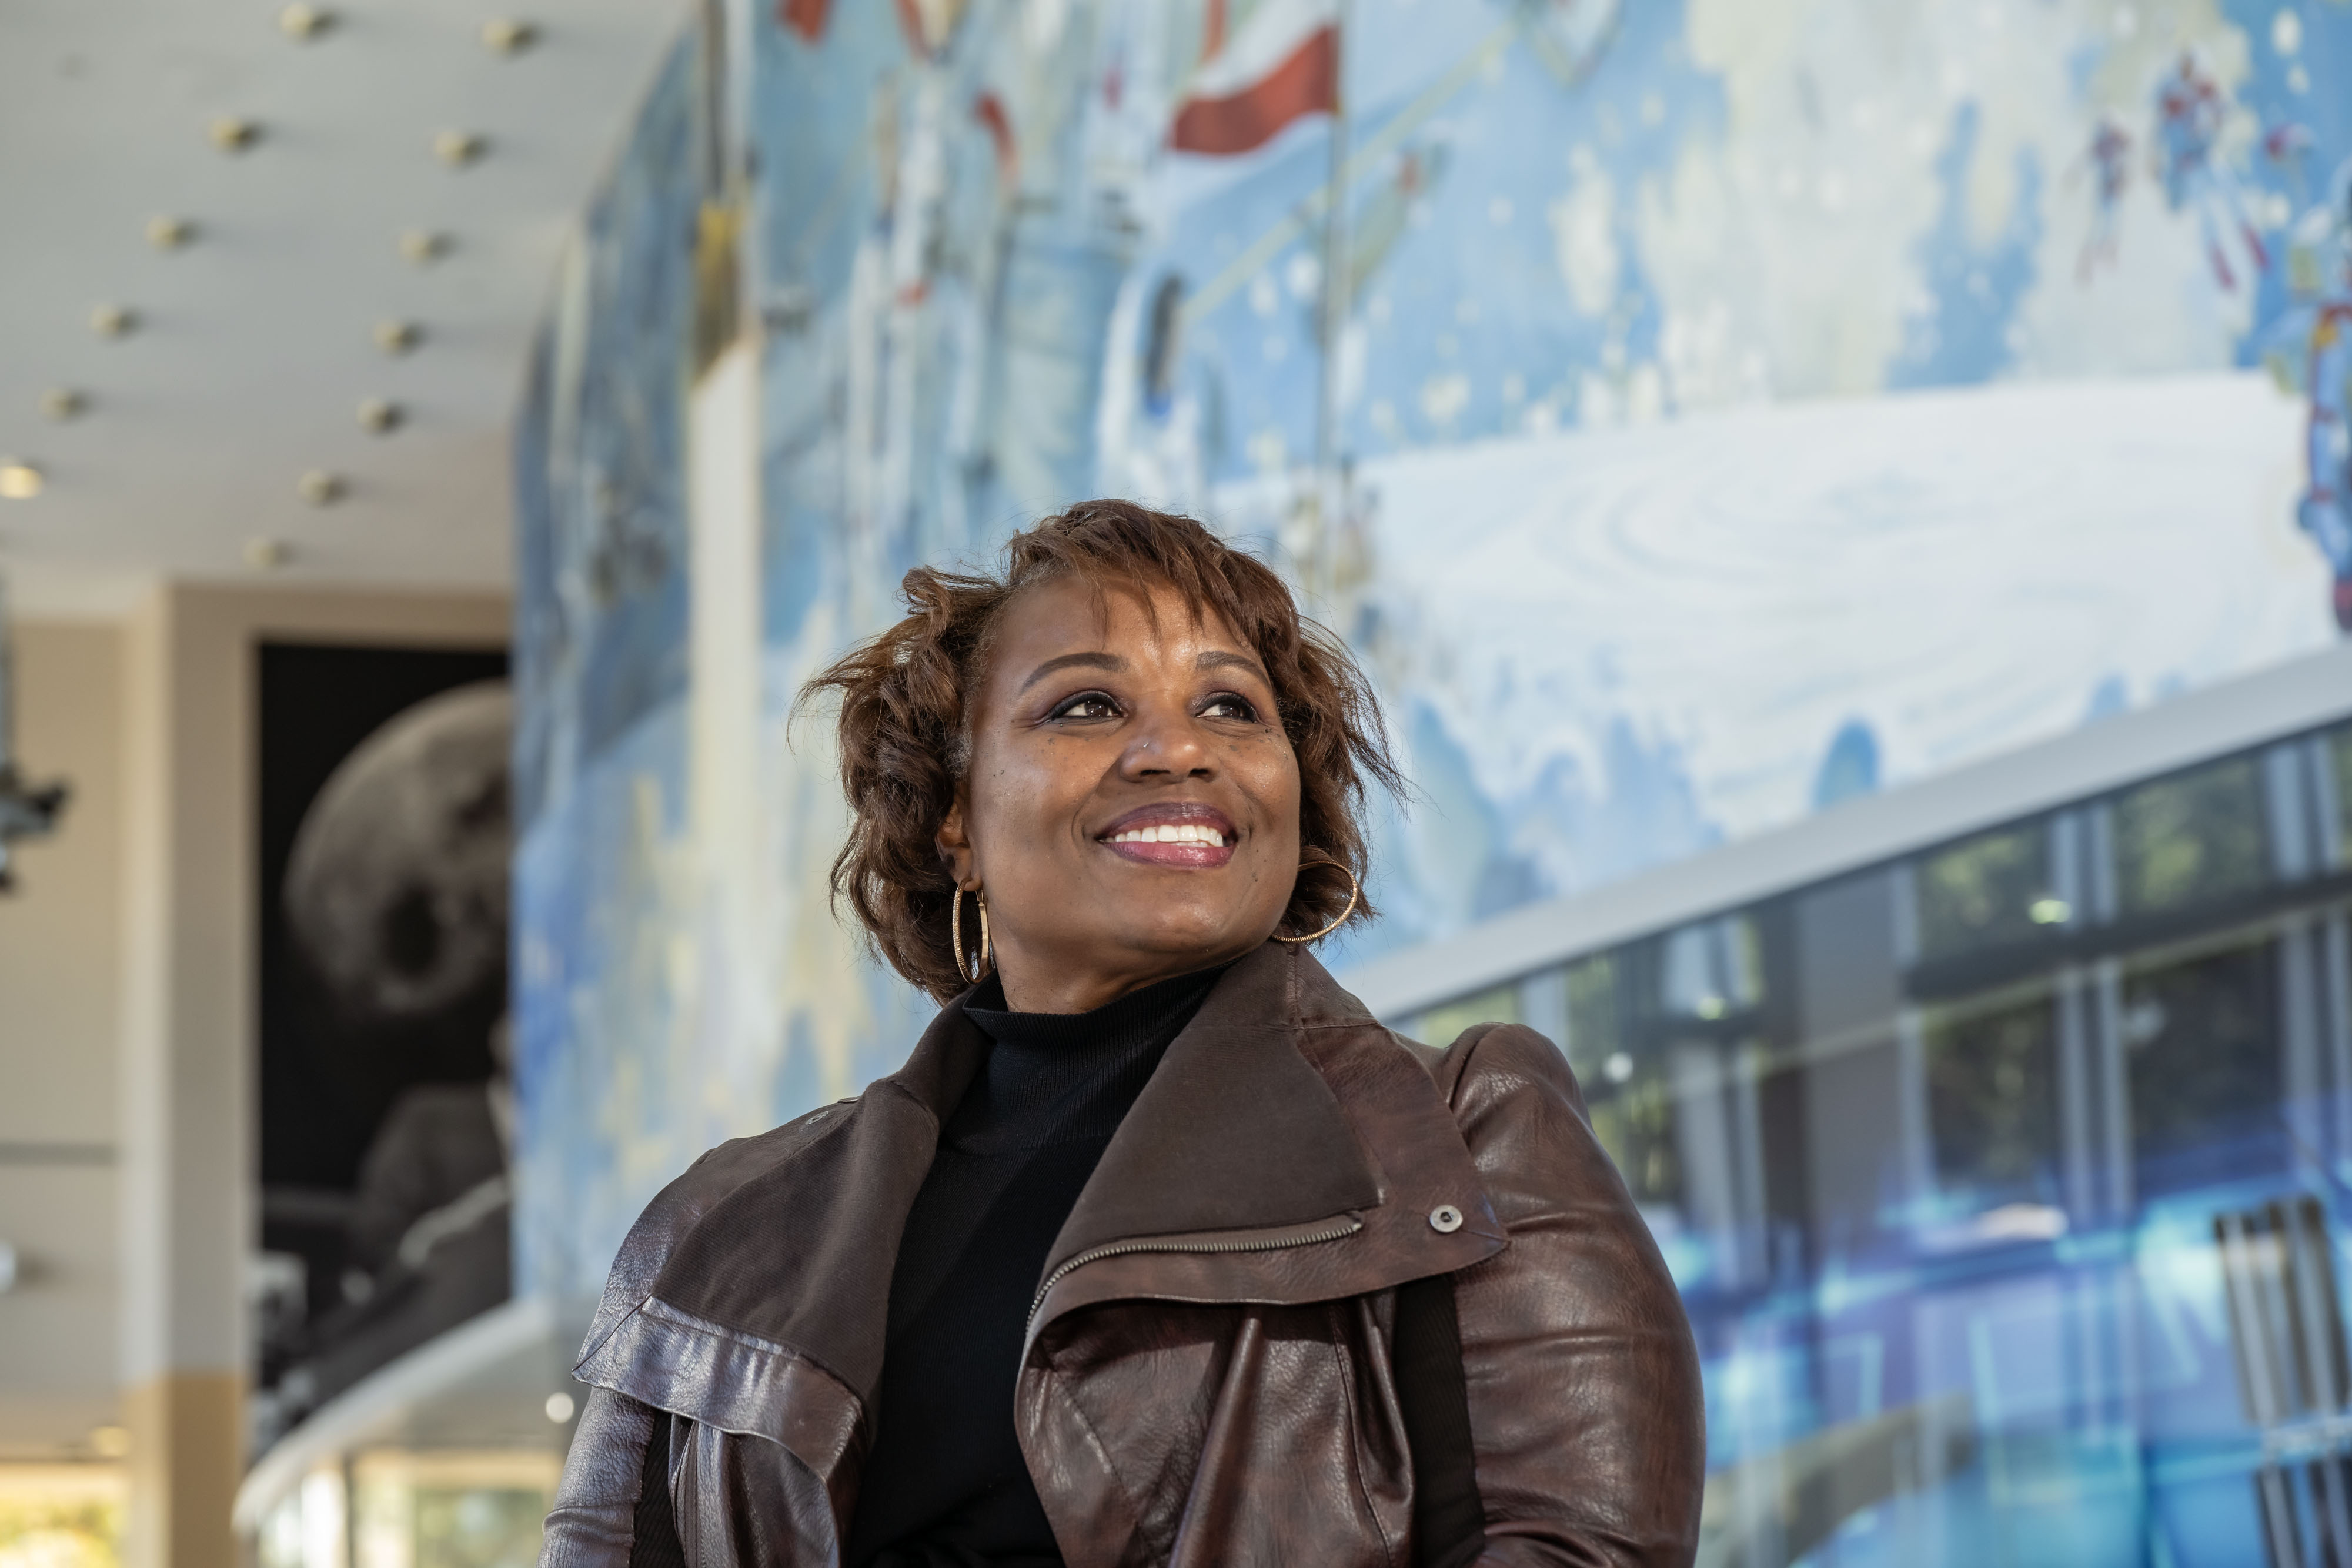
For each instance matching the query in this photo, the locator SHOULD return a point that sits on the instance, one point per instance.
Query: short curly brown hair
(905, 717)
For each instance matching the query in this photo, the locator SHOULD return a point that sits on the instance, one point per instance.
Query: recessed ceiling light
(170, 233)
(320, 488)
(304, 22)
(19, 481)
(232, 134)
(382, 415)
(398, 337)
(62, 403)
(113, 321)
(505, 36)
(266, 554)
(423, 247)
(458, 148)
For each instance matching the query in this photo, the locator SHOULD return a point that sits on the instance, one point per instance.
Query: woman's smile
(1179, 833)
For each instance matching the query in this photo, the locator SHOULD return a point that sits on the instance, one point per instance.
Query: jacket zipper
(1321, 1230)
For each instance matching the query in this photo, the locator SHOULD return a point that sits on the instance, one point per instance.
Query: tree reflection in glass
(2191, 838)
(1992, 1102)
(2202, 1037)
(1986, 891)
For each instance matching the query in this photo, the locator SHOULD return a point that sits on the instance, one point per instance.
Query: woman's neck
(1044, 989)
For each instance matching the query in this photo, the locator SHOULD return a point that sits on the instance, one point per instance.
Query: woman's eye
(1227, 705)
(1087, 704)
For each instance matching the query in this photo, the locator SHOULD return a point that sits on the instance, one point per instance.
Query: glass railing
(2008, 1183)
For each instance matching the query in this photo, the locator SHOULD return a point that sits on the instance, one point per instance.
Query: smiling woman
(1160, 1249)
(1153, 676)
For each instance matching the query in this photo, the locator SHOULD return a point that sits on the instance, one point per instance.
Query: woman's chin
(1203, 936)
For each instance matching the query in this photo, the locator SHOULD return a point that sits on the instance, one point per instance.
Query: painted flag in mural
(806, 18)
(1282, 63)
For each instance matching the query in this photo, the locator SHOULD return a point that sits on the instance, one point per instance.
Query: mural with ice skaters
(1697, 413)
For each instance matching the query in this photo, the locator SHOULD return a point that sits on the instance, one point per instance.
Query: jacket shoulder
(679, 1208)
(1491, 1058)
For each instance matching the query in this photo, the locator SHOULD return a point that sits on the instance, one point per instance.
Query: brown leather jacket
(1210, 1376)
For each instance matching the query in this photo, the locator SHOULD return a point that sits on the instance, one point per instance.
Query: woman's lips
(1192, 838)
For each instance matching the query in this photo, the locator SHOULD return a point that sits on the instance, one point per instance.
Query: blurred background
(1844, 500)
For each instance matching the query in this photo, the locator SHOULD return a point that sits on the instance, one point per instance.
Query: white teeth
(1169, 833)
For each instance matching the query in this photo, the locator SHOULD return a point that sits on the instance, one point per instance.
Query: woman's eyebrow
(1217, 659)
(1098, 661)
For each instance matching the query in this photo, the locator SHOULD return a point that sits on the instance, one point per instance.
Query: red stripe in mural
(1306, 83)
(806, 17)
(990, 112)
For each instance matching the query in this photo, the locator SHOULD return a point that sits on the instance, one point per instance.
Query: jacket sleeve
(613, 1507)
(1588, 1428)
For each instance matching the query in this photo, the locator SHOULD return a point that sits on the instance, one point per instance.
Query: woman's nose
(1168, 743)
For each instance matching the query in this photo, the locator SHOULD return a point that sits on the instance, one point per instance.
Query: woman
(1159, 1249)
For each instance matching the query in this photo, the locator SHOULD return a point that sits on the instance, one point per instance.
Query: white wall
(60, 976)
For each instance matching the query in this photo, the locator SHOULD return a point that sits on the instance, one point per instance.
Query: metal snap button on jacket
(1446, 1219)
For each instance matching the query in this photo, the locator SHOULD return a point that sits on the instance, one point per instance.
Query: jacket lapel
(1283, 1111)
(767, 1315)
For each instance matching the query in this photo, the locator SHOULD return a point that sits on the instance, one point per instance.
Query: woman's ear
(954, 845)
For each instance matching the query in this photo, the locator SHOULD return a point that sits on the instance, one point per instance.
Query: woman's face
(1132, 810)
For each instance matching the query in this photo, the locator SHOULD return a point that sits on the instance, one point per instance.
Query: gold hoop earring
(987, 958)
(1355, 892)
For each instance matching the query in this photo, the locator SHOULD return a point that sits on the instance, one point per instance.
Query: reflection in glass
(1711, 969)
(414, 1509)
(1992, 1102)
(2339, 755)
(1440, 1025)
(2184, 839)
(1594, 1039)
(1634, 1120)
(2203, 1045)
(1986, 891)
(1916, 1350)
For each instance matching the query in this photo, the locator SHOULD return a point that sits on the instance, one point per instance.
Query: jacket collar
(1282, 1102)
(1235, 1129)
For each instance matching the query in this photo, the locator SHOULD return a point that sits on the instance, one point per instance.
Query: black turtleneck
(944, 1485)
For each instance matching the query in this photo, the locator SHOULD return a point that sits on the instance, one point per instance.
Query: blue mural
(1695, 413)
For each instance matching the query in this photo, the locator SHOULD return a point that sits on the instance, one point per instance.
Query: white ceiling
(255, 347)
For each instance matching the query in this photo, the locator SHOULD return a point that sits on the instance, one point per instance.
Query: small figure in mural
(2286, 147)
(2109, 157)
(2191, 112)
(1568, 38)
(2321, 265)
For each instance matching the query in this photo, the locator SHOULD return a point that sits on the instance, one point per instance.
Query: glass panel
(1992, 1102)
(2184, 839)
(1593, 1035)
(2339, 754)
(1634, 1120)
(1987, 891)
(1440, 1025)
(2203, 1039)
(1876, 1229)
(1711, 969)
(479, 1527)
(452, 1508)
